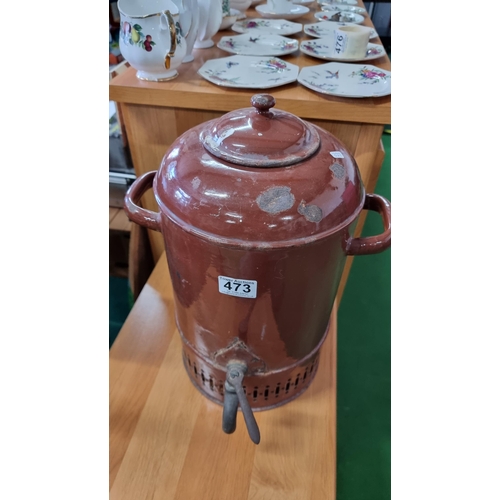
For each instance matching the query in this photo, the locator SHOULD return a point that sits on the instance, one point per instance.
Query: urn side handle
(373, 244)
(137, 214)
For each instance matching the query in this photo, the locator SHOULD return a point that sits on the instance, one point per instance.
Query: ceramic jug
(210, 20)
(151, 38)
(192, 8)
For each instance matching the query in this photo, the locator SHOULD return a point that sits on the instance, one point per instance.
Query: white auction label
(340, 42)
(337, 154)
(238, 288)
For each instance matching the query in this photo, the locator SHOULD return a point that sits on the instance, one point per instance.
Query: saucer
(323, 48)
(249, 72)
(345, 17)
(334, 6)
(270, 26)
(347, 80)
(326, 28)
(344, 2)
(258, 44)
(296, 11)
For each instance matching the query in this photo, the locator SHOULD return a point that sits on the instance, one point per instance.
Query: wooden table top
(166, 440)
(190, 90)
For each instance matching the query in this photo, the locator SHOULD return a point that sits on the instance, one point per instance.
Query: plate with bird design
(339, 17)
(258, 44)
(346, 80)
(335, 6)
(324, 48)
(270, 26)
(249, 72)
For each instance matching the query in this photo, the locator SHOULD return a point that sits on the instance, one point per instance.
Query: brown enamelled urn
(257, 211)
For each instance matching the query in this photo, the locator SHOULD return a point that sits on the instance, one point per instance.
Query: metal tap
(234, 395)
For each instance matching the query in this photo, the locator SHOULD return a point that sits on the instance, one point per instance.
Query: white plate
(303, 2)
(258, 44)
(345, 2)
(270, 26)
(346, 17)
(326, 29)
(249, 72)
(295, 12)
(323, 48)
(333, 6)
(347, 80)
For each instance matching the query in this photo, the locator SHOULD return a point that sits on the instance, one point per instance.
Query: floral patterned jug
(151, 38)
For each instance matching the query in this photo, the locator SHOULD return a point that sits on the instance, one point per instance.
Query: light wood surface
(118, 220)
(155, 114)
(166, 440)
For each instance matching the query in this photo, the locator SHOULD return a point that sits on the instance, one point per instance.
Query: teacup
(279, 6)
(351, 42)
(151, 38)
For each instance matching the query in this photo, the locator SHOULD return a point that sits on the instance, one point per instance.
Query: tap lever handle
(234, 384)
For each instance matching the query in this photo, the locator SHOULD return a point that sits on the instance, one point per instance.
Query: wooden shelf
(166, 440)
(118, 220)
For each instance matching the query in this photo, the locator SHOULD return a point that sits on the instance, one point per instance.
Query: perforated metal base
(263, 391)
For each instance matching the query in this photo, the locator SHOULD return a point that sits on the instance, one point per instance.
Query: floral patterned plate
(323, 48)
(249, 72)
(334, 6)
(345, 2)
(258, 44)
(293, 13)
(327, 28)
(347, 80)
(340, 17)
(270, 26)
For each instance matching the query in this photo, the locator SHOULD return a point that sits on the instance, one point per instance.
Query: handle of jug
(167, 24)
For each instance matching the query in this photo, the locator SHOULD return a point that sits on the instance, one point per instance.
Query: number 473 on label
(238, 288)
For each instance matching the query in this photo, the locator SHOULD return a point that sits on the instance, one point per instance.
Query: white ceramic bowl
(241, 5)
(227, 22)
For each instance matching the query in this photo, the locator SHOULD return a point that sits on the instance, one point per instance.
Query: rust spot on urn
(338, 170)
(311, 212)
(276, 199)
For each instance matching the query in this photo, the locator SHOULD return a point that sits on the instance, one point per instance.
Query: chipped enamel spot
(338, 170)
(311, 212)
(276, 199)
(196, 183)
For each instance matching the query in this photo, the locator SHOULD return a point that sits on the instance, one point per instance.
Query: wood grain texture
(112, 213)
(166, 440)
(120, 221)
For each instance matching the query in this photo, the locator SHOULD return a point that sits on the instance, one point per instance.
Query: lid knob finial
(262, 102)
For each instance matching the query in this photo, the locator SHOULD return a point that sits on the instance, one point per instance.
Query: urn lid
(259, 137)
(259, 178)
